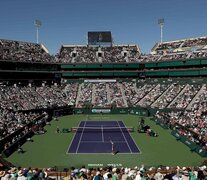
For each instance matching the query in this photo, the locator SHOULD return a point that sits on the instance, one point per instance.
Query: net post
(87, 117)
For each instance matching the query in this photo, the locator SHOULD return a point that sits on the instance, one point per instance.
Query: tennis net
(101, 129)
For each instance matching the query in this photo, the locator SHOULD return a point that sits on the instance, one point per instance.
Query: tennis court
(97, 137)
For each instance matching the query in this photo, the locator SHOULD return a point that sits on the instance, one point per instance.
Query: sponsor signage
(99, 80)
(101, 110)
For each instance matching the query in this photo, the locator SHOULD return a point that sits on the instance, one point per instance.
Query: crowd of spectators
(16, 98)
(19, 97)
(179, 50)
(100, 95)
(17, 102)
(149, 58)
(88, 54)
(28, 97)
(24, 174)
(23, 51)
(192, 122)
(15, 125)
(167, 47)
(116, 95)
(173, 50)
(109, 173)
(84, 96)
(127, 94)
(201, 41)
(184, 98)
(164, 100)
(134, 93)
(153, 95)
(11, 50)
(116, 55)
(172, 46)
(198, 54)
(188, 124)
(78, 54)
(11, 121)
(174, 56)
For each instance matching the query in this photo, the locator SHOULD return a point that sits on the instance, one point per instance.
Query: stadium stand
(191, 97)
(87, 54)
(172, 50)
(138, 173)
(24, 106)
(180, 45)
(23, 51)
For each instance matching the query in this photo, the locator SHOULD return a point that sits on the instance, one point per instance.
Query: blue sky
(131, 21)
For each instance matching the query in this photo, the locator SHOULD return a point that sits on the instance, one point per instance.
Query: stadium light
(161, 23)
(37, 24)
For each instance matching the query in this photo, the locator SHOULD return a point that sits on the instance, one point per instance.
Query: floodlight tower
(161, 23)
(37, 24)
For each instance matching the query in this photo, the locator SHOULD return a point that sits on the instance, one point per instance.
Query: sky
(130, 21)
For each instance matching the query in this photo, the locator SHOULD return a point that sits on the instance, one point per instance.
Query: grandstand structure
(169, 84)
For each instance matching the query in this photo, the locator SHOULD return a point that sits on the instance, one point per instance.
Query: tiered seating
(149, 58)
(78, 54)
(190, 44)
(88, 54)
(23, 51)
(17, 98)
(174, 56)
(199, 109)
(135, 93)
(153, 95)
(195, 42)
(167, 47)
(192, 123)
(99, 94)
(166, 51)
(69, 92)
(184, 123)
(84, 95)
(164, 100)
(183, 100)
(11, 50)
(14, 98)
(52, 95)
(12, 121)
(118, 54)
(116, 95)
(138, 173)
(100, 98)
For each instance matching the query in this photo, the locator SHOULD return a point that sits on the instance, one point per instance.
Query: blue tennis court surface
(96, 137)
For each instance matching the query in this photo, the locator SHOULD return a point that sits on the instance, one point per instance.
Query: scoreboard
(99, 38)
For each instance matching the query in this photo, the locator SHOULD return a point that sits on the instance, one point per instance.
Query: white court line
(102, 142)
(101, 153)
(75, 153)
(124, 137)
(80, 138)
(72, 140)
(102, 134)
(134, 141)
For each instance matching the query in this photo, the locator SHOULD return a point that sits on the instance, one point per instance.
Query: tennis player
(112, 148)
